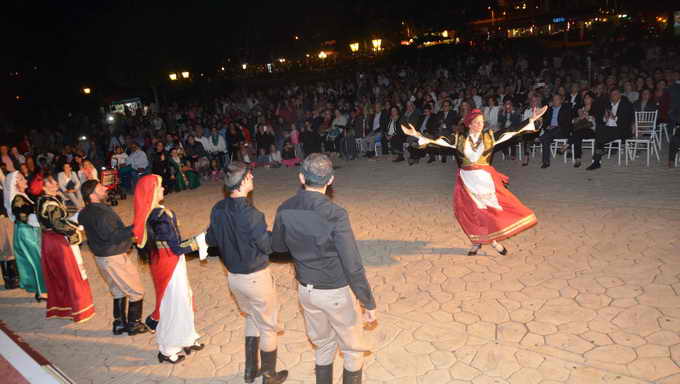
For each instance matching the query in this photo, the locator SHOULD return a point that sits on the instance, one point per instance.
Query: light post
(185, 74)
(377, 43)
(87, 91)
(354, 47)
(173, 76)
(244, 66)
(323, 55)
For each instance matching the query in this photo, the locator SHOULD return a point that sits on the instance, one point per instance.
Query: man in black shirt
(329, 271)
(111, 243)
(240, 232)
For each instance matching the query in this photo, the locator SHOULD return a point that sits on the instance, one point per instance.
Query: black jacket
(319, 237)
(240, 232)
(106, 233)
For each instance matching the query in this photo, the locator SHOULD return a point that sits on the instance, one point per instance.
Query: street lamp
(173, 76)
(354, 47)
(185, 74)
(87, 90)
(322, 55)
(244, 66)
(282, 60)
(376, 44)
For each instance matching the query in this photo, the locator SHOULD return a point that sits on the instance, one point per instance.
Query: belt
(320, 286)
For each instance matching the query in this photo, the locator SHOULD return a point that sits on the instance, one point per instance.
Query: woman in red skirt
(486, 210)
(157, 235)
(65, 277)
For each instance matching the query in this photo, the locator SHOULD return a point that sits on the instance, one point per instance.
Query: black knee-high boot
(134, 318)
(252, 359)
(269, 374)
(324, 374)
(119, 317)
(10, 274)
(351, 377)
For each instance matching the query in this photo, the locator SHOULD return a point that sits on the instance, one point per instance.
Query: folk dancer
(486, 210)
(65, 275)
(239, 230)
(157, 235)
(111, 243)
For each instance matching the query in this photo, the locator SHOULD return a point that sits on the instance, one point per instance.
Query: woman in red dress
(157, 235)
(65, 276)
(486, 210)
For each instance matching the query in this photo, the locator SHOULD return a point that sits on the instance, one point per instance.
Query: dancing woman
(157, 235)
(65, 276)
(21, 211)
(486, 210)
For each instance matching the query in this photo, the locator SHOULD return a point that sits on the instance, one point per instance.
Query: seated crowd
(362, 114)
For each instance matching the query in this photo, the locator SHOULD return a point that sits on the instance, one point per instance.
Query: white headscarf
(11, 191)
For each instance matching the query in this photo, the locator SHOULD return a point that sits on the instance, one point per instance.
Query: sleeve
(103, 227)
(56, 217)
(525, 126)
(165, 231)
(278, 236)
(351, 261)
(210, 235)
(61, 179)
(22, 209)
(261, 237)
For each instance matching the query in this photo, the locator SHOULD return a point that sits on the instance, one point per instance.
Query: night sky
(59, 46)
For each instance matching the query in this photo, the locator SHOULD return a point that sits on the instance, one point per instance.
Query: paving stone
(615, 354)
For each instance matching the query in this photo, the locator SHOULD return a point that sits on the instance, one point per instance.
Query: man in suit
(558, 126)
(447, 120)
(427, 124)
(616, 124)
(377, 124)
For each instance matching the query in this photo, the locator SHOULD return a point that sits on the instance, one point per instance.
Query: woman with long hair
(485, 209)
(21, 210)
(87, 172)
(65, 276)
(157, 235)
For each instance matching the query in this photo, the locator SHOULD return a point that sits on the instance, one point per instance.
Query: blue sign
(559, 20)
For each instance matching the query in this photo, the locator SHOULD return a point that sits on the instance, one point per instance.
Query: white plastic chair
(635, 145)
(616, 144)
(645, 127)
(555, 145)
(585, 144)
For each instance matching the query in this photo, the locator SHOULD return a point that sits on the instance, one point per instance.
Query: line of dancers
(334, 293)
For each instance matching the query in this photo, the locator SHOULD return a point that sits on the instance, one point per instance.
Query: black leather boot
(119, 319)
(10, 274)
(324, 374)
(252, 359)
(151, 324)
(351, 377)
(269, 374)
(134, 318)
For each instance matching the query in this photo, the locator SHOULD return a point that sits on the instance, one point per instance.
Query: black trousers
(577, 138)
(674, 146)
(397, 144)
(548, 136)
(605, 135)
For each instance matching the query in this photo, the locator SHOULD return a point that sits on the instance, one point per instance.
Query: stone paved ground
(590, 295)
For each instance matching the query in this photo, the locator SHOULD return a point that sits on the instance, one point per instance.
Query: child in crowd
(263, 160)
(289, 158)
(275, 156)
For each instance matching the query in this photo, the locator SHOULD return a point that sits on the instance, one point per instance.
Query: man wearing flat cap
(331, 277)
(239, 230)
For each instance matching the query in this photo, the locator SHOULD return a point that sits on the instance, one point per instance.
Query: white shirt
(611, 122)
(392, 128)
(376, 121)
(64, 180)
